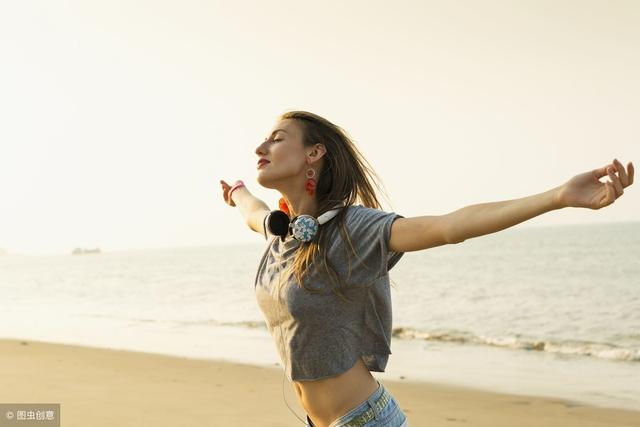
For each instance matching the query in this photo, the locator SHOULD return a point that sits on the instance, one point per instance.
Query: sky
(119, 118)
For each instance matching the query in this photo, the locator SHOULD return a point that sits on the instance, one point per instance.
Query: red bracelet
(238, 184)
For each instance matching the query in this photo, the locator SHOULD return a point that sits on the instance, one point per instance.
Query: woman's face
(285, 152)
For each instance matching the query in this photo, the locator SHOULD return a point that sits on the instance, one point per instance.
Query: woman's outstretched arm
(584, 190)
(253, 210)
(485, 218)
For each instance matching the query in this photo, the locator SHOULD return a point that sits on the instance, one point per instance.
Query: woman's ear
(318, 151)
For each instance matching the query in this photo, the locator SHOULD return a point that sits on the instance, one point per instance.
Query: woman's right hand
(225, 193)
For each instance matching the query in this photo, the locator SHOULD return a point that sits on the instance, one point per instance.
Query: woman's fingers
(600, 172)
(615, 179)
(225, 190)
(624, 179)
(611, 194)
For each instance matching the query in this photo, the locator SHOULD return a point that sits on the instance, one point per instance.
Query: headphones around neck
(301, 227)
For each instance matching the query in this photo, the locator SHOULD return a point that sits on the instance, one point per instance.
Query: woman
(333, 325)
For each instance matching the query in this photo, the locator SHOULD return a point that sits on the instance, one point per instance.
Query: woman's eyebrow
(282, 130)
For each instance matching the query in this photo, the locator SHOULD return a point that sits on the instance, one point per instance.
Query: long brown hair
(346, 177)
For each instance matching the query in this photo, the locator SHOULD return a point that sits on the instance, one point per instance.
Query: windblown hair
(346, 177)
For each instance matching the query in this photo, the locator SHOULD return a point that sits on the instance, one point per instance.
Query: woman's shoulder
(360, 210)
(364, 215)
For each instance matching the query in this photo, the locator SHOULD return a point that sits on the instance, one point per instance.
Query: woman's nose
(260, 149)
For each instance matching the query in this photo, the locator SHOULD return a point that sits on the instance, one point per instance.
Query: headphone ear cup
(278, 223)
(304, 228)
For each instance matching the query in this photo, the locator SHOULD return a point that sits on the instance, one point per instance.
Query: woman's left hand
(587, 191)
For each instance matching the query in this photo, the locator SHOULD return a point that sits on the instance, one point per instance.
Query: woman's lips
(262, 163)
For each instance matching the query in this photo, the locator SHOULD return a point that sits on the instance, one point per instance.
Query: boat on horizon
(82, 251)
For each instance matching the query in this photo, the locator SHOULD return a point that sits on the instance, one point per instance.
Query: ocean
(546, 310)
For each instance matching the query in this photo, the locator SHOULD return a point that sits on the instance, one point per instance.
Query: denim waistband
(377, 401)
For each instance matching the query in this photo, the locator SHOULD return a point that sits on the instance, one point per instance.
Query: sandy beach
(101, 387)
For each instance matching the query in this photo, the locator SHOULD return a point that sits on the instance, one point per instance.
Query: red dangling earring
(282, 205)
(310, 184)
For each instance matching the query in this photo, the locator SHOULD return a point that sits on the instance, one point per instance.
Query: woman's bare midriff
(328, 399)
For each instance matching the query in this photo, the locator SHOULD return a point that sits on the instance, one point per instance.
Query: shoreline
(588, 380)
(101, 387)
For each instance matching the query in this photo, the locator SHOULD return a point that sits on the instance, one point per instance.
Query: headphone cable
(282, 342)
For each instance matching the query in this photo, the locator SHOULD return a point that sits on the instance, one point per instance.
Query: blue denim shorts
(380, 409)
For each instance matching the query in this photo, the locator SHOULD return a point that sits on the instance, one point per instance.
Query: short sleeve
(370, 232)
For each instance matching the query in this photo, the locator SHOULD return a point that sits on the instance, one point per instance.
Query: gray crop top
(323, 335)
